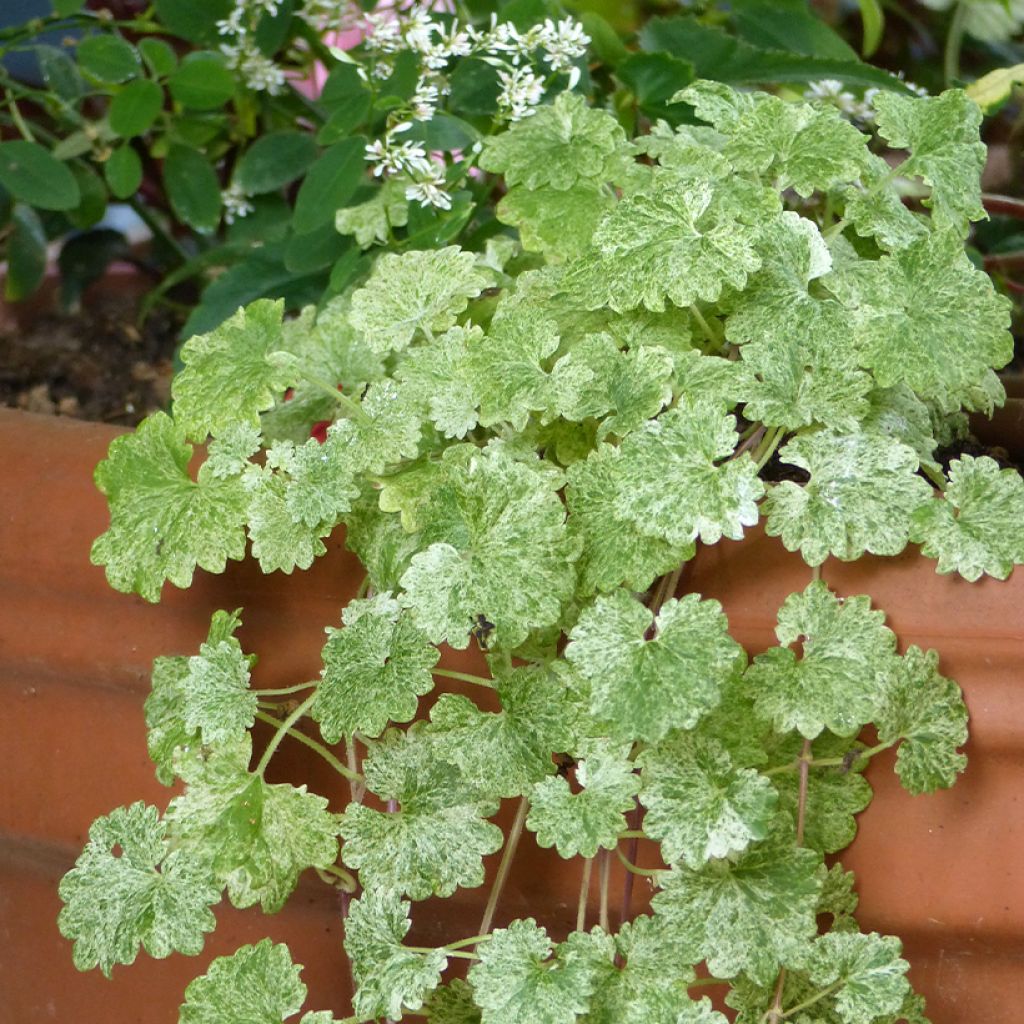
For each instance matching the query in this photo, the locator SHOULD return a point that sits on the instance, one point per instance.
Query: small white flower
(563, 43)
(236, 203)
(424, 101)
(429, 191)
(521, 91)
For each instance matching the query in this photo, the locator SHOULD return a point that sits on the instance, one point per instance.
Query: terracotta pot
(943, 871)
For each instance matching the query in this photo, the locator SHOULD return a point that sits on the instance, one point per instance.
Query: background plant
(737, 318)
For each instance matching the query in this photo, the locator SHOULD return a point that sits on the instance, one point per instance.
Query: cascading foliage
(525, 445)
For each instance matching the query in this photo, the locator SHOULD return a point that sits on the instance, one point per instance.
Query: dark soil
(94, 364)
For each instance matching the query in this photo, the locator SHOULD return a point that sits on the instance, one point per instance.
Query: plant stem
(814, 999)
(954, 42)
(633, 833)
(352, 409)
(829, 762)
(635, 869)
(581, 906)
(285, 729)
(504, 866)
(767, 447)
(715, 337)
(348, 881)
(288, 689)
(471, 941)
(464, 677)
(356, 788)
(448, 952)
(604, 872)
(805, 769)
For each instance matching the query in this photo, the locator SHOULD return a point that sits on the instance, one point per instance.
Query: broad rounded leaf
(31, 173)
(134, 109)
(869, 969)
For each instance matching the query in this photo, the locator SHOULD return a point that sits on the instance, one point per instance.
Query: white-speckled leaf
(869, 970)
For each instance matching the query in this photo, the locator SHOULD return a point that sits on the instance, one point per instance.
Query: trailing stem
(307, 741)
(504, 866)
(283, 729)
(581, 907)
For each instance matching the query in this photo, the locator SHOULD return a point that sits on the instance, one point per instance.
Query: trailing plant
(730, 322)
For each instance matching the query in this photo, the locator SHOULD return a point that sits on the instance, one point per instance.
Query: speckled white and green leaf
(505, 368)
(651, 985)
(898, 413)
(751, 913)
(422, 291)
(700, 805)
(257, 837)
(371, 222)
(515, 981)
(558, 224)
(675, 485)
(645, 687)
(977, 526)
(876, 209)
(507, 752)
(375, 670)
(494, 543)
(163, 525)
(437, 374)
(926, 711)
(860, 496)
(228, 375)
(434, 842)
(216, 699)
(614, 551)
(835, 793)
(595, 379)
(257, 984)
(278, 540)
(452, 1004)
(377, 537)
(926, 316)
(583, 822)
(841, 679)
(388, 976)
(130, 888)
(228, 453)
(561, 144)
(676, 239)
(389, 428)
(867, 967)
(946, 152)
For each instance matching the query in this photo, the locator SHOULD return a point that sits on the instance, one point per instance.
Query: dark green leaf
(604, 40)
(654, 78)
(60, 73)
(347, 115)
(63, 8)
(194, 20)
(320, 248)
(108, 58)
(475, 88)
(444, 132)
(329, 184)
(136, 107)
(192, 187)
(158, 55)
(202, 81)
(26, 254)
(275, 160)
(787, 25)
(873, 16)
(35, 176)
(84, 259)
(123, 171)
(93, 202)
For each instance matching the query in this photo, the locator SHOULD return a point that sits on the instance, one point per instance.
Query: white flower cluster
(258, 71)
(513, 53)
(860, 110)
(236, 203)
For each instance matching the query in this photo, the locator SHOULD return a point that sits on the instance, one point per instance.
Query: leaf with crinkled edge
(165, 706)
(507, 752)
(419, 291)
(977, 526)
(898, 413)
(558, 224)
(452, 1004)
(131, 888)
(867, 969)
(750, 913)
(692, 150)
(164, 524)
(670, 330)
(582, 822)
(595, 379)
(257, 838)
(377, 538)
(835, 793)
(228, 454)
(257, 984)
(875, 208)
(645, 687)
(228, 376)
(371, 222)
(651, 985)
(700, 805)
(946, 152)
(278, 541)
(493, 544)
(615, 552)
(839, 898)
(794, 145)
(926, 316)
(860, 497)
(389, 428)
(433, 844)
(437, 374)
(562, 143)
(505, 368)
(675, 239)
(515, 980)
(840, 680)
(676, 486)
(388, 976)
(375, 670)
(926, 711)
(216, 699)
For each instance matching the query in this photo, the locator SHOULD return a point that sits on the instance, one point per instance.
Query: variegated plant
(687, 333)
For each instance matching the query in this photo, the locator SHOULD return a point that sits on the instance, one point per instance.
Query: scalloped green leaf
(868, 970)
(438, 375)
(559, 224)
